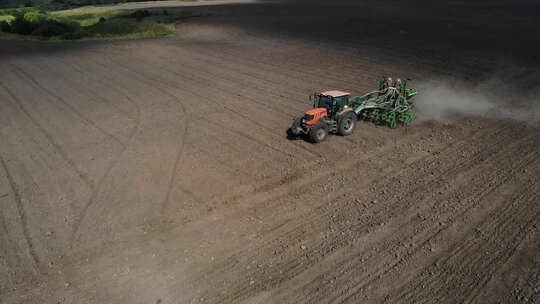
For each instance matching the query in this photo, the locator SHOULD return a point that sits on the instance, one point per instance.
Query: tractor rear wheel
(318, 132)
(347, 124)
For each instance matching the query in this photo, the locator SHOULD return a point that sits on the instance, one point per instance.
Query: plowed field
(158, 171)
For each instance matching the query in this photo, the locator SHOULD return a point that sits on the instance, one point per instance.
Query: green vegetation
(78, 3)
(64, 4)
(89, 23)
(6, 18)
(87, 16)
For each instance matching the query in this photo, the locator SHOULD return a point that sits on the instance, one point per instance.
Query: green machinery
(391, 105)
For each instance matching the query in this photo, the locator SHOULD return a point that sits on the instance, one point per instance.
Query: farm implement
(337, 112)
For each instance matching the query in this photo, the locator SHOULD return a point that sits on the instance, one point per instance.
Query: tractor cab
(333, 101)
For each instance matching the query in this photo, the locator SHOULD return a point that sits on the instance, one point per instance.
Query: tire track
(525, 287)
(218, 69)
(19, 105)
(290, 267)
(264, 65)
(517, 239)
(377, 274)
(462, 251)
(476, 199)
(302, 181)
(90, 93)
(216, 141)
(101, 181)
(402, 170)
(118, 159)
(12, 242)
(500, 226)
(165, 81)
(199, 64)
(308, 220)
(253, 99)
(228, 69)
(232, 264)
(384, 56)
(22, 217)
(67, 105)
(136, 129)
(185, 132)
(179, 155)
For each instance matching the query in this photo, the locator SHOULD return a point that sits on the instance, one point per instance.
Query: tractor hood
(317, 111)
(312, 116)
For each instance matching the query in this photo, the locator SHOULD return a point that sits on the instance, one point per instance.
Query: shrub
(50, 28)
(140, 15)
(5, 27)
(56, 4)
(18, 13)
(22, 26)
(35, 17)
(73, 36)
(10, 11)
(38, 24)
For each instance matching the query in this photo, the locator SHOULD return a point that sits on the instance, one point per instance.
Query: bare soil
(158, 171)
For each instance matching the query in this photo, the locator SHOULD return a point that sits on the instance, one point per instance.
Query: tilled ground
(158, 171)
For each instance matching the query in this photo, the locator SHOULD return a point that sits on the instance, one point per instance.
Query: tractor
(337, 112)
(332, 113)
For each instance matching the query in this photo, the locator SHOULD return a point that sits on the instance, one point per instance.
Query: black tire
(318, 132)
(290, 134)
(297, 123)
(293, 131)
(347, 124)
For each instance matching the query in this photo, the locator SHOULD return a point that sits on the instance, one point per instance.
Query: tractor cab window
(342, 101)
(326, 101)
(333, 103)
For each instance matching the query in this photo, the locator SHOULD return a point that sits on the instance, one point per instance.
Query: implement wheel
(390, 119)
(347, 123)
(318, 132)
(406, 117)
(376, 116)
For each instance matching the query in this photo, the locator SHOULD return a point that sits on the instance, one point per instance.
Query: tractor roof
(335, 94)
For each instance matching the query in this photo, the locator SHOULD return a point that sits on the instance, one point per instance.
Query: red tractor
(338, 112)
(332, 113)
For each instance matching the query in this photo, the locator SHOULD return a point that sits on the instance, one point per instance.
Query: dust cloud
(442, 100)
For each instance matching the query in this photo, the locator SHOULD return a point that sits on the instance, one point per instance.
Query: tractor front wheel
(318, 132)
(347, 124)
(296, 128)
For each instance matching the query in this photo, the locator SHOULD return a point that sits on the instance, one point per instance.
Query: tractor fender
(345, 111)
